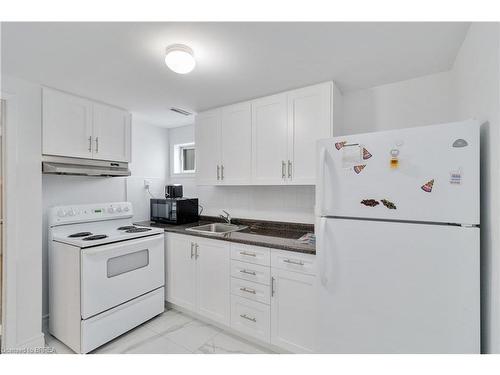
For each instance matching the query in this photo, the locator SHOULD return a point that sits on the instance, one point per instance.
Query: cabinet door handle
(248, 254)
(222, 172)
(196, 255)
(218, 172)
(90, 144)
(96, 144)
(283, 168)
(248, 290)
(245, 316)
(298, 263)
(249, 272)
(272, 286)
(192, 253)
(289, 169)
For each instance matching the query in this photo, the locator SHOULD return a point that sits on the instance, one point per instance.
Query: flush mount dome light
(180, 58)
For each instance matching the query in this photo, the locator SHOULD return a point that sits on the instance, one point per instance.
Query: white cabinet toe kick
(264, 294)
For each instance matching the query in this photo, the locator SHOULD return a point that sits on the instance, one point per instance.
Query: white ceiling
(123, 63)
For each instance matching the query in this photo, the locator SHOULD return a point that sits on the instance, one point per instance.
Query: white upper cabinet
(269, 140)
(77, 127)
(67, 125)
(111, 130)
(309, 119)
(223, 145)
(207, 140)
(236, 144)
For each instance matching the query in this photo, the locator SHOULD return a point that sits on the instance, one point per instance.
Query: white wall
(281, 203)
(149, 160)
(477, 78)
(420, 101)
(23, 223)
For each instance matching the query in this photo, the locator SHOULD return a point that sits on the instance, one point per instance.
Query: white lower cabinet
(181, 271)
(251, 272)
(263, 293)
(250, 318)
(198, 276)
(213, 279)
(292, 310)
(250, 290)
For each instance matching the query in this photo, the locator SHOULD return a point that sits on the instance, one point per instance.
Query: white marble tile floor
(172, 332)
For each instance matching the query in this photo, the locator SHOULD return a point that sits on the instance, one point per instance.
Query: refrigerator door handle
(325, 249)
(320, 182)
(323, 252)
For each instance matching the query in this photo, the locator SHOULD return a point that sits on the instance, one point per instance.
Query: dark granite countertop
(276, 235)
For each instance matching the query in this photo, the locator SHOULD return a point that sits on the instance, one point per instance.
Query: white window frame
(179, 159)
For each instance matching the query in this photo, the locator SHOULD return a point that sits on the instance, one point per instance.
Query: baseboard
(45, 323)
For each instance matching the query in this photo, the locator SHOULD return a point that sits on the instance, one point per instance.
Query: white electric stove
(106, 275)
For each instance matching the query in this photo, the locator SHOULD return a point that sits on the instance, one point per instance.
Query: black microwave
(174, 210)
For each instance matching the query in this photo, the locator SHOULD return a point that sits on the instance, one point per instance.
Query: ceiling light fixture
(180, 58)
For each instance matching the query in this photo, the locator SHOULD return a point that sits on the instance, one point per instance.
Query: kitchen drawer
(291, 261)
(250, 290)
(252, 272)
(251, 318)
(251, 254)
(112, 323)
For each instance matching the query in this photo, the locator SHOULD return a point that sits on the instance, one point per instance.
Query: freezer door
(397, 288)
(427, 174)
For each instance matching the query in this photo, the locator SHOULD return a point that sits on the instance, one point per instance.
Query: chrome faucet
(227, 217)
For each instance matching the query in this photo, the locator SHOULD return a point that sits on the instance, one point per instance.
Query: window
(184, 158)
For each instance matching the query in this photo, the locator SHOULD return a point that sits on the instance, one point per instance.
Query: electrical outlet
(147, 184)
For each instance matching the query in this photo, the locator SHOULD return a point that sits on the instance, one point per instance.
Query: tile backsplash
(280, 203)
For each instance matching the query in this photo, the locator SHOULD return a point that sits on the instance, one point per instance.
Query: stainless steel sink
(217, 228)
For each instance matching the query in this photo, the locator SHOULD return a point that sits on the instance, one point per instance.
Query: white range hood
(83, 167)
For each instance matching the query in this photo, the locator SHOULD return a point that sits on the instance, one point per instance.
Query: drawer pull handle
(298, 263)
(248, 254)
(272, 286)
(248, 290)
(248, 272)
(245, 316)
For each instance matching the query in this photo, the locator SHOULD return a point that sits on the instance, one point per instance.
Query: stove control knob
(111, 210)
(126, 209)
(61, 213)
(118, 209)
(70, 213)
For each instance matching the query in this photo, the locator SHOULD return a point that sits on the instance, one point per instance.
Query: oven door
(116, 273)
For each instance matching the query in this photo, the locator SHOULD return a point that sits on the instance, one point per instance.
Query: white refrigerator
(398, 241)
